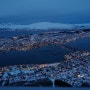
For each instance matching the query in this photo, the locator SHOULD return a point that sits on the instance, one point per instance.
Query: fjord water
(45, 54)
(83, 44)
(7, 34)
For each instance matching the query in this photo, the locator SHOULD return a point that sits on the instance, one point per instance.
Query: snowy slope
(45, 25)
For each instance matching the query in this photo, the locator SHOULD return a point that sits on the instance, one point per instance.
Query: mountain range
(43, 26)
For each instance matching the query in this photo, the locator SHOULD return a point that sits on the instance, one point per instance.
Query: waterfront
(44, 44)
(49, 59)
(74, 71)
(46, 54)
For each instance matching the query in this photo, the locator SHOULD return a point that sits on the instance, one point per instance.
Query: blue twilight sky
(31, 11)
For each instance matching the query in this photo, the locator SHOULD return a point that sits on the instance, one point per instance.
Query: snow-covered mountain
(44, 25)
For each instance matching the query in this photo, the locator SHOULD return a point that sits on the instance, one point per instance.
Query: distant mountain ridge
(44, 25)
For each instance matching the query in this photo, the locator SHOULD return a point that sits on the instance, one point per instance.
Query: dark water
(42, 88)
(83, 44)
(17, 33)
(47, 54)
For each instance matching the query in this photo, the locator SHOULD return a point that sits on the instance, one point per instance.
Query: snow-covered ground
(45, 25)
(75, 71)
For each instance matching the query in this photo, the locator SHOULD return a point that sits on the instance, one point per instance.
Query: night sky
(32, 11)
